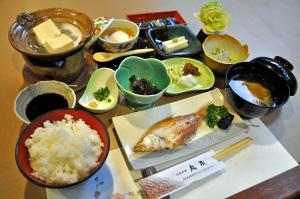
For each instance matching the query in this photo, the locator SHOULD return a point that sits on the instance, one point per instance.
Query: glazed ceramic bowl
(22, 154)
(101, 78)
(222, 51)
(152, 70)
(116, 47)
(22, 38)
(26, 95)
(271, 77)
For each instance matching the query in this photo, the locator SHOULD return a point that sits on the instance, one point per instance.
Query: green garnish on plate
(175, 39)
(102, 94)
(218, 115)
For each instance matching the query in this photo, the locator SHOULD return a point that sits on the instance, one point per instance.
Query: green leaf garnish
(101, 94)
(214, 17)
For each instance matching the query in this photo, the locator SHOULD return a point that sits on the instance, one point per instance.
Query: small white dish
(101, 78)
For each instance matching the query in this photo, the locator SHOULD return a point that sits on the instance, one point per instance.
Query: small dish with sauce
(120, 36)
(101, 93)
(42, 97)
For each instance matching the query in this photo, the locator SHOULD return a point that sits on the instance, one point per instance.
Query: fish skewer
(171, 132)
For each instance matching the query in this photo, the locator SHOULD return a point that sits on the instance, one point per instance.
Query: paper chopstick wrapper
(177, 177)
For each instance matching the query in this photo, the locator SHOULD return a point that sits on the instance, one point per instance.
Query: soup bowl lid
(282, 68)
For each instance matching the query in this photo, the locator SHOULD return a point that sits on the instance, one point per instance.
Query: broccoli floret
(215, 113)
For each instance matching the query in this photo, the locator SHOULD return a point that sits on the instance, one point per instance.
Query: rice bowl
(64, 151)
(50, 155)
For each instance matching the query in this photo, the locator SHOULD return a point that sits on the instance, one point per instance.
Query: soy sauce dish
(257, 87)
(37, 99)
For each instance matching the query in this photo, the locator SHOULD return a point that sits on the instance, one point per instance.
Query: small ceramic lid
(282, 67)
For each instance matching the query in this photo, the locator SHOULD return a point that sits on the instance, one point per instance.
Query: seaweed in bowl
(142, 86)
(151, 69)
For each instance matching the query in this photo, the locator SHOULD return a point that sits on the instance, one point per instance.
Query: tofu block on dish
(175, 44)
(59, 43)
(46, 30)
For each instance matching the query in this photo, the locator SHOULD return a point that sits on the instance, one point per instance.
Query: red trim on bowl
(22, 155)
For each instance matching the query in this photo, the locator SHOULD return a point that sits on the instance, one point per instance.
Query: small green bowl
(152, 70)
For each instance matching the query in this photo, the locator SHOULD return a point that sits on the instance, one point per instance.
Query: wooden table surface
(269, 28)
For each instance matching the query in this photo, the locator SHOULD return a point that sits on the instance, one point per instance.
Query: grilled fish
(170, 133)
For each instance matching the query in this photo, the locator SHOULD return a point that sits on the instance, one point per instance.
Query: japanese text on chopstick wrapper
(181, 175)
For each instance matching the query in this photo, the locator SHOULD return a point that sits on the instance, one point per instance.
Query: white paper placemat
(262, 160)
(113, 180)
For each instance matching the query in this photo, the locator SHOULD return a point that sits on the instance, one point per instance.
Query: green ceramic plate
(204, 81)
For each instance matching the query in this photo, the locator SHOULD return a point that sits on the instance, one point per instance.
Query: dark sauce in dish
(44, 103)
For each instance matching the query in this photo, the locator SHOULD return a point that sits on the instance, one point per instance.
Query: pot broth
(252, 91)
(70, 30)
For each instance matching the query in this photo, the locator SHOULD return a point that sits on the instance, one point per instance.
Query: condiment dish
(32, 91)
(222, 51)
(175, 66)
(101, 78)
(118, 44)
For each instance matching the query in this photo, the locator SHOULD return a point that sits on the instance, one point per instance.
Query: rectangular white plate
(130, 128)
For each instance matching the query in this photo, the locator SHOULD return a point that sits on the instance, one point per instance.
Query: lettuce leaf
(214, 17)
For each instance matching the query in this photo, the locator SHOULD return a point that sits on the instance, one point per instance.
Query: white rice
(64, 151)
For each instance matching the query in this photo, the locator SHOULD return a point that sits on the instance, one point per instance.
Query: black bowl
(256, 72)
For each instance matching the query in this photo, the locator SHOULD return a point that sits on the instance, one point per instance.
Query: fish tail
(140, 147)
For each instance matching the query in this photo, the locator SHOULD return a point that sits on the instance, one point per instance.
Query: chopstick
(233, 148)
